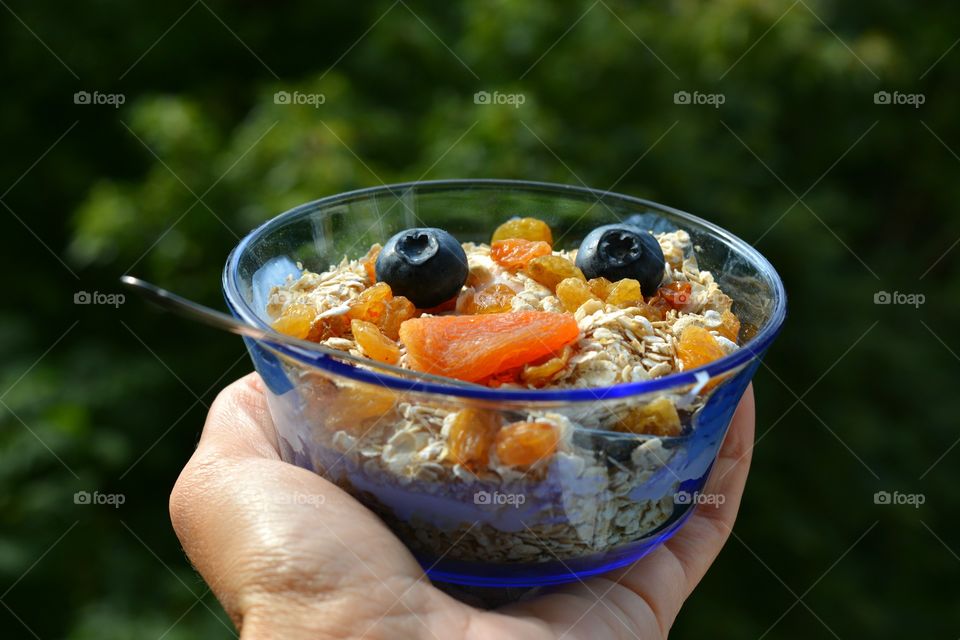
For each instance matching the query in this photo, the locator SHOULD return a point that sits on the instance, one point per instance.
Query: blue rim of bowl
(752, 349)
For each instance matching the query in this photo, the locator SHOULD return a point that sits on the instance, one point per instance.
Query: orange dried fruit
(626, 293)
(677, 294)
(697, 347)
(600, 287)
(729, 326)
(370, 305)
(550, 270)
(373, 343)
(397, 310)
(296, 320)
(474, 347)
(573, 292)
(515, 253)
(658, 418)
(357, 408)
(525, 228)
(540, 374)
(329, 327)
(495, 298)
(369, 263)
(472, 433)
(522, 444)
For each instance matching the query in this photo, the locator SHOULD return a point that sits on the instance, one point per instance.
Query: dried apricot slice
(550, 270)
(573, 292)
(526, 228)
(474, 347)
(697, 347)
(471, 434)
(373, 343)
(658, 417)
(521, 444)
(515, 253)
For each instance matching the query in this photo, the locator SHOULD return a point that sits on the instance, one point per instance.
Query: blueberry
(426, 265)
(618, 251)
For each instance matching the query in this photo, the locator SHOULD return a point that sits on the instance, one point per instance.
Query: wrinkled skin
(333, 570)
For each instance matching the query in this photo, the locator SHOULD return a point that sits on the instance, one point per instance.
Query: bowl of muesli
(527, 382)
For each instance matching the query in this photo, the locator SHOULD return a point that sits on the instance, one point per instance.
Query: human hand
(333, 569)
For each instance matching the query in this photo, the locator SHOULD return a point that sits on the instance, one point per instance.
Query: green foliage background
(855, 398)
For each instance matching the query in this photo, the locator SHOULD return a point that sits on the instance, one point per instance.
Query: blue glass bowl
(605, 503)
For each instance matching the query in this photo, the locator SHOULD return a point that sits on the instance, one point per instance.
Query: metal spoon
(205, 315)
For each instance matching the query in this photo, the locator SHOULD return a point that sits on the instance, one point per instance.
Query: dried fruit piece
(526, 228)
(658, 418)
(729, 326)
(600, 287)
(369, 262)
(573, 292)
(521, 444)
(626, 293)
(373, 343)
(550, 270)
(356, 408)
(397, 311)
(472, 432)
(496, 298)
(515, 253)
(540, 374)
(329, 327)
(296, 320)
(477, 346)
(697, 347)
(677, 294)
(370, 305)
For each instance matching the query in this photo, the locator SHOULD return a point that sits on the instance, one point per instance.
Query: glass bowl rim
(742, 356)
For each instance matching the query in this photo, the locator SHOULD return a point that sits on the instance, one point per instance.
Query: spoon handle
(219, 320)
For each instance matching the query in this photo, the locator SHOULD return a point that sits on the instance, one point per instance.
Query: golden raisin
(626, 293)
(370, 305)
(471, 435)
(729, 326)
(515, 253)
(658, 418)
(540, 374)
(677, 294)
(369, 263)
(356, 408)
(573, 292)
(296, 320)
(396, 310)
(600, 287)
(373, 343)
(526, 228)
(697, 347)
(496, 298)
(550, 270)
(524, 443)
(329, 327)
